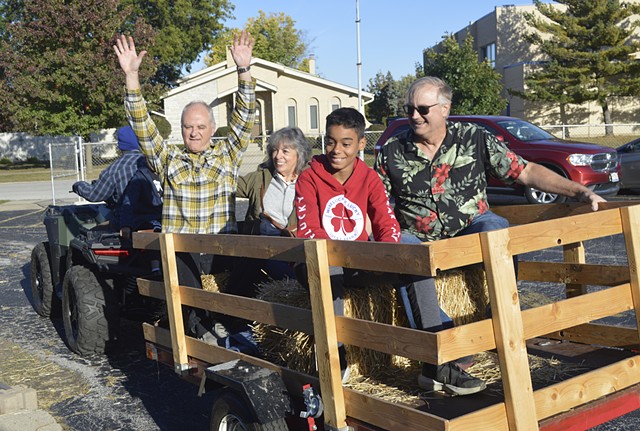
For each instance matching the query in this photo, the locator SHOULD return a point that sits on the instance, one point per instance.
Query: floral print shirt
(436, 199)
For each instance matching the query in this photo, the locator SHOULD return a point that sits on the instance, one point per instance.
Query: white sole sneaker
(346, 373)
(429, 384)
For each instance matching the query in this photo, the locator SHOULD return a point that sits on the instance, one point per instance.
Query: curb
(32, 205)
(19, 411)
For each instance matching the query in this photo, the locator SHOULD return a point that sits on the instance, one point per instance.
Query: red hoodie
(330, 210)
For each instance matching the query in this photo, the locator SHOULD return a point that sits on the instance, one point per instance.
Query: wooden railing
(506, 331)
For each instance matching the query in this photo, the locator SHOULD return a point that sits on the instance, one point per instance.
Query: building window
(488, 53)
(292, 121)
(313, 115)
(335, 104)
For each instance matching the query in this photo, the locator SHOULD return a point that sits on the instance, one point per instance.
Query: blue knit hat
(127, 140)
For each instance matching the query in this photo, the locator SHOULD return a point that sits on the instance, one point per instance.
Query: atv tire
(89, 312)
(43, 296)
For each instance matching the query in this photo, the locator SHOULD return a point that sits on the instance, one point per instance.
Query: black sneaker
(450, 378)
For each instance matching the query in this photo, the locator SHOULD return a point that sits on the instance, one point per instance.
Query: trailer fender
(262, 389)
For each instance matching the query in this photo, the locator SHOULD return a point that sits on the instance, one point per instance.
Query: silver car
(629, 157)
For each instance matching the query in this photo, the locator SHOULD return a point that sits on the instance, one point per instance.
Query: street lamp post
(359, 64)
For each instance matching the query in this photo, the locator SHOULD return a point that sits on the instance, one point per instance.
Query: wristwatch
(244, 69)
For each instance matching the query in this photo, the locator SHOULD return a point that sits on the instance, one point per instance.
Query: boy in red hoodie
(338, 192)
(336, 195)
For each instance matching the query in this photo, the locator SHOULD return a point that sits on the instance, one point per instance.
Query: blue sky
(392, 34)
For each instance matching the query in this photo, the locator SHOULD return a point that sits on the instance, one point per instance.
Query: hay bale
(286, 347)
(295, 350)
(377, 304)
(215, 282)
(463, 294)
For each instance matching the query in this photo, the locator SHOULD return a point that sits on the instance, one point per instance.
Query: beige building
(498, 37)
(285, 96)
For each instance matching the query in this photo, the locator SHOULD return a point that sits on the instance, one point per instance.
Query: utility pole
(359, 65)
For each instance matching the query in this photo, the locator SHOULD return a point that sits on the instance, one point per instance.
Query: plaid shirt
(111, 183)
(199, 189)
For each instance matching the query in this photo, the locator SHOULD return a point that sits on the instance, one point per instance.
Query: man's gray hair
(444, 91)
(198, 102)
(291, 137)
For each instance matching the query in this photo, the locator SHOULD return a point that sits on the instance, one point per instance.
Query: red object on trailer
(596, 413)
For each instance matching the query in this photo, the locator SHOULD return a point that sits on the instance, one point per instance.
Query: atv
(87, 273)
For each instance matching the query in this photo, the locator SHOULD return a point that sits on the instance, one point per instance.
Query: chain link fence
(64, 166)
(607, 135)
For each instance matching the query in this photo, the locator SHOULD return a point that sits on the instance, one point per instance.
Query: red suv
(592, 165)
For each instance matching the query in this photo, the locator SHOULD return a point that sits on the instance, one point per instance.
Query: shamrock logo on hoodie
(342, 219)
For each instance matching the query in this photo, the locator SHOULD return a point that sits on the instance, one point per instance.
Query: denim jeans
(420, 299)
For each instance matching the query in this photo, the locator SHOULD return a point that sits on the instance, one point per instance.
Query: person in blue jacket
(127, 188)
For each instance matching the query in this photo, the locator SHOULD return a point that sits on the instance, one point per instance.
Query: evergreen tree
(389, 97)
(476, 85)
(277, 40)
(383, 88)
(60, 73)
(402, 86)
(590, 53)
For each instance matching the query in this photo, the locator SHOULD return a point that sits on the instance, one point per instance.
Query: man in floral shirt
(436, 173)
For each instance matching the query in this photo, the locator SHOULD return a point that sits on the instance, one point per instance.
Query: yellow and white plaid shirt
(199, 189)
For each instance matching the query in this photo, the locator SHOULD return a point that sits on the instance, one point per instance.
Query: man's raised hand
(242, 48)
(125, 49)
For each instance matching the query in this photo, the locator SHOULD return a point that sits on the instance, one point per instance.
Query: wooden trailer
(609, 388)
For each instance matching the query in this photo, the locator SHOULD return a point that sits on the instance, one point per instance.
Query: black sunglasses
(422, 110)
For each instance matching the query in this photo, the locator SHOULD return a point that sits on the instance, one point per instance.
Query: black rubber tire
(44, 299)
(89, 312)
(229, 412)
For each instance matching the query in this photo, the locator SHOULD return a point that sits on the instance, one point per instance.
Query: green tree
(383, 88)
(277, 40)
(553, 83)
(389, 96)
(590, 51)
(185, 28)
(60, 73)
(476, 85)
(402, 86)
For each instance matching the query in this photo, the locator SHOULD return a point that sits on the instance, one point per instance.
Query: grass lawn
(24, 174)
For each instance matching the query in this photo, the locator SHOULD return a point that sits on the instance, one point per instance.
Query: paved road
(37, 190)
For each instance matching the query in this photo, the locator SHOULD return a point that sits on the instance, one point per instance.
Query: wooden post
(324, 329)
(574, 253)
(631, 229)
(174, 303)
(509, 330)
